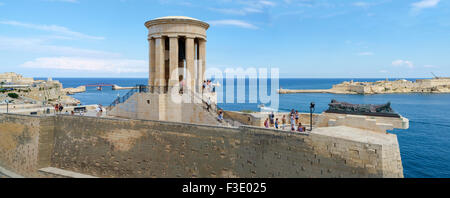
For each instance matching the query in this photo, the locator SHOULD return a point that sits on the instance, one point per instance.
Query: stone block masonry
(25, 143)
(113, 148)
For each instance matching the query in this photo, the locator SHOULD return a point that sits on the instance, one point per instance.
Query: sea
(424, 146)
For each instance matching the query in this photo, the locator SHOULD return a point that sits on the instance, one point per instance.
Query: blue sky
(303, 38)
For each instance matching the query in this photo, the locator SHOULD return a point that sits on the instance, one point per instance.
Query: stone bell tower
(177, 67)
(177, 52)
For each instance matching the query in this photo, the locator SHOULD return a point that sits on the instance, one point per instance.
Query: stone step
(52, 171)
(4, 173)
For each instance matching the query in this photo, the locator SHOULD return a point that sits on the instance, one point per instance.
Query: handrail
(145, 89)
(214, 107)
(119, 100)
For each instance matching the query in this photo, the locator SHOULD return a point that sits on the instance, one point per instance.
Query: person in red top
(266, 123)
(56, 108)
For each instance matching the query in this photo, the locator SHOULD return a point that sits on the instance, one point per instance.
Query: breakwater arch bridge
(100, 85)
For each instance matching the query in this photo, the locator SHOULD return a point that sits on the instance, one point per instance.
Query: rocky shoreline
(432, 86)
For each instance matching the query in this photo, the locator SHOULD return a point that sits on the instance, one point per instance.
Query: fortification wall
(134, 148)
(374, 123)
(257, 119)
(428, 83)
(137, 148)
(25, 143)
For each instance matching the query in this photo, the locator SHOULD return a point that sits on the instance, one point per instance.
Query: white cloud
(430, 66)
(246, 7)
(368, 4)
(362, 4)
(258, 3)
(243, 11)
(365, 54)
(51, 28)
(237, 23)
(403, 63)
(88, 64)
(424, 4)
(267, 3)
(38, 45)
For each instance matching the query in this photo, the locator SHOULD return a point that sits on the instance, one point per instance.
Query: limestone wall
(373, 123)
(147, 106)
(257, 119)
(135, 148)
(125, 148)
(25, 143)
(428, 83)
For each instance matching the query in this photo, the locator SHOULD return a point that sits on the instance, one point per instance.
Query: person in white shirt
(98, 110)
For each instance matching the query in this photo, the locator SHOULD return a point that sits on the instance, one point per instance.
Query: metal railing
(139, 89)
(214, 108)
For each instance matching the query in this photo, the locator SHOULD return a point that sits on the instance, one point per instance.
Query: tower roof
(176, 19)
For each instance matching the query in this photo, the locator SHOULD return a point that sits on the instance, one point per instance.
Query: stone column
(160, 82)
(173, 62)
(190, 50)
(202, 62)
(151, 80)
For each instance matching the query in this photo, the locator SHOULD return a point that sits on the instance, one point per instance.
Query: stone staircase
(213, 111)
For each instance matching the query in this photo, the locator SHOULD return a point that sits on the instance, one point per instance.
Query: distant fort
(435, 85)
(146, 134)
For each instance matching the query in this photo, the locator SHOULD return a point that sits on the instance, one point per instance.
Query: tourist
(181, 86)
(301, 128)
(204, 86)
(292, 119)
(208, 104)
(72, 113)
(60, 108)
(283, 122)
(56, 108)
(220, 117)
(207, 86)
(276, 123)
(98, 109)
(66, 113)
(266, 123)
(272, 118)
(296, 117)
(292, 123)
(213, 88)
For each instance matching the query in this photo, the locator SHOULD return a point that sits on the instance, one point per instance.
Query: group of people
(272, 122)
(58, 108)
(208, 86)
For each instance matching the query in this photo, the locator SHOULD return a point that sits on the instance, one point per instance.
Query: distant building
(13, 78)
